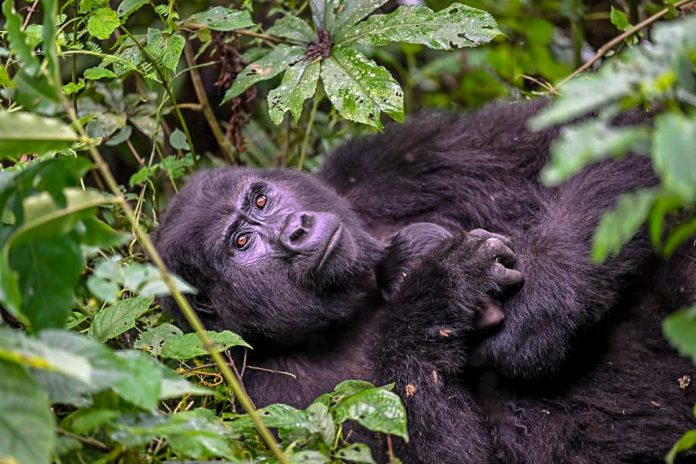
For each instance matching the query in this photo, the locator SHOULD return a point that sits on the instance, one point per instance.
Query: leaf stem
(223, 142)
(308, 131)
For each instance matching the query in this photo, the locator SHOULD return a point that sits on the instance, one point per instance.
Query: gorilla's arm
(564, 292)
(432, 320)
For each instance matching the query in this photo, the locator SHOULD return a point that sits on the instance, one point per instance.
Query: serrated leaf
(673, 153)
(349, 13)
(272, 64)
(219, 18)
(165, 49)
(293, 28)
(588, 142)
(454, 27)
(102, 23)
(96, 73)
(153, 339)
(360, 89)
(299, 83)
(22, 133)
(27, 433)
(190, 345)
(680, 329)
(127, 7)
(178, 140)
(376, 409)
(118, 318)
(618, 225)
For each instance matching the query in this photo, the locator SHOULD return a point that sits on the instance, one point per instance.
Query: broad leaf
(619, 225)
(219, 18)
(22, 133)
(118, 318)
(96, 73)
(309, 457)
(454, 27)
(141, 383)
(153, 339)
(293, 28)
(27, 433)
(349, 13)
(299, 83)
(165, 49)
(588, 142)
(357, 452)
(102, 23)
(178, 140)
(685, 443)
(673, 153)
(190, 345)
(377, 409)
(267, 67)
(360, 89)
(679, 328)
(127, 7)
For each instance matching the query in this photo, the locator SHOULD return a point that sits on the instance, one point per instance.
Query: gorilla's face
(273, 253)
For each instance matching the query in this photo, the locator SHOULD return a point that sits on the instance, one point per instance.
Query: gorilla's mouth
(331, 245)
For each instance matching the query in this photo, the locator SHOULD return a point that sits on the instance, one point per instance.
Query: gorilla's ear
(405, 251)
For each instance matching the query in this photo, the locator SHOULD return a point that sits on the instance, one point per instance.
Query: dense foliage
(101, 104)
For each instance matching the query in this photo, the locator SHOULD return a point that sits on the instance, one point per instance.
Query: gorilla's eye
(261, 201)
(242, 240)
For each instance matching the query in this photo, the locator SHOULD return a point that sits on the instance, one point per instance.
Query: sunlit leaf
(456, 26)
(96, 73)
(22, 133)
(293, 28)
(299, 83)
(102, 23)
(219, 18)
(27, 433)
(165, 48)
(349, 13)
(190, 345)
(377, 409)
(267, 67)
(360, 89)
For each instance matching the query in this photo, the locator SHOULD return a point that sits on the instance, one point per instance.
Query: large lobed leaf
(456, 26)
(360, 89)
(299, 83)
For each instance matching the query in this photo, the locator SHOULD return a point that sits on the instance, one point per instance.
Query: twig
(310, 123)
(604, 49)
(32, 9)
(390, 450)
(272, 371)
(223, 142)
(94, 443)
(191, 106)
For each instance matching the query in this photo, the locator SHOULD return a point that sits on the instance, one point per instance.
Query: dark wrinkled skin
(382, 268)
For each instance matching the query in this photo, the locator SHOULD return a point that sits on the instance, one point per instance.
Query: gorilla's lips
(331, 245)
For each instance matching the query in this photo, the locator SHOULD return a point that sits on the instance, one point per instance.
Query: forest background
(105, 107)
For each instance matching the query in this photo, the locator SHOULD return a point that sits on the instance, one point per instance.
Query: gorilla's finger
(505, 276)
(500, 251)
(484, 234)
(491, 316)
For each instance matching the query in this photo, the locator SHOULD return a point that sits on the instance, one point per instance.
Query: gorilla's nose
(307, 231)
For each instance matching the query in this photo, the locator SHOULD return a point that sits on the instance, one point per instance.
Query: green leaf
(142, 380)
(619, 19)
(456, 26)
(165, 49)
(219, 18)
(309, 457)
(680, 329)
(96, 73)
(190, 345)
(153, 339)
(175, 386)
(84, 421)
(588, 142)
(673, 153)
(27, 433)
(299, 83)
(178, 140)
(360, 89)
(349, 13)
(619, 225)
(685, 443)
(22, 133)
(321, 422)
(102, 23)
(377, 409)
(357, 452)
(118, 318)
(293, 28)
(272, 64)
(142, 175)
(127, 7)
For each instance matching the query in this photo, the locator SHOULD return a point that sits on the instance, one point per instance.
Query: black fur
(578, 371)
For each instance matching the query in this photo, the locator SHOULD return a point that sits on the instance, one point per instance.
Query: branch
(604, 49)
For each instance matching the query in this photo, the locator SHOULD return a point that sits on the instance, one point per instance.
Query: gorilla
(431, 256)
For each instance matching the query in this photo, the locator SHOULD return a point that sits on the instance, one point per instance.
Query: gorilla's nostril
(298, 234)
(306, 221)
